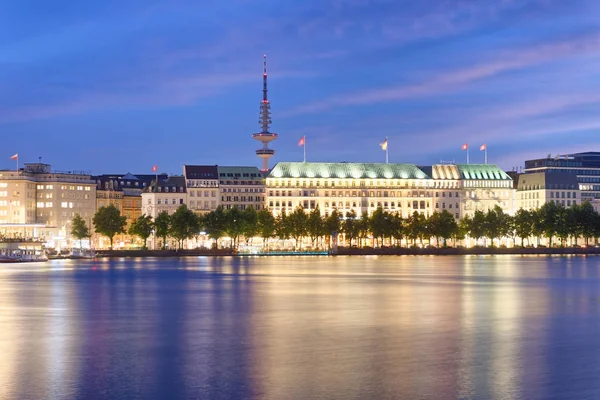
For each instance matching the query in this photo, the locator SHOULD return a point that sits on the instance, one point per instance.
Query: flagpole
(17, 164)
(467, 154)
(304, 143)
(387, 146)
(485, 154)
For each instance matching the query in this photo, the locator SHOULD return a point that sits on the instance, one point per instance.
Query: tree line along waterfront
(551, 225)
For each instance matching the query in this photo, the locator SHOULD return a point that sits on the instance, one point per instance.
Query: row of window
(242, 198)
(198, 193)
(345, 183)
(416, 205)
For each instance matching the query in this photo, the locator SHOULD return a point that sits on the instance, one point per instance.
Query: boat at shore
(15, 251)
(79, 254)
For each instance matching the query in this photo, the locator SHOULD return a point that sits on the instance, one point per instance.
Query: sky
(119, 86)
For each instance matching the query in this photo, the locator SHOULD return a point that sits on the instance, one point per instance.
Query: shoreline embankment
(368, 251)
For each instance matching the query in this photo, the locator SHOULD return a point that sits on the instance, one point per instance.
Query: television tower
(264, 136)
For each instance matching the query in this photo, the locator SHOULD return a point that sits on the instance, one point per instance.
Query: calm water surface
(503, 327)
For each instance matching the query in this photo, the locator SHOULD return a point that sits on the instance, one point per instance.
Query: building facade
(586, 166)
(202, 185)
(38, 202)
(403, 188)
(124, 191)
(165, 195)
(241, 187)
(536, 189)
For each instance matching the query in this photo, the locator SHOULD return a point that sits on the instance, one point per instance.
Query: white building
(363, 187)
(202, 183)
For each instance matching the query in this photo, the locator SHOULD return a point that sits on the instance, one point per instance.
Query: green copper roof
(346, 170)
(482, 172)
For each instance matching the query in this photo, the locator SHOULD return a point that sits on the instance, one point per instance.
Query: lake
(404, 327)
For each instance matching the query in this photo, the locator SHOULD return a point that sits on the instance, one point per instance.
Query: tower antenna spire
(265, 121)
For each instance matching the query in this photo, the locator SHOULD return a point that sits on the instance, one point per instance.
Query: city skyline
(120, 89)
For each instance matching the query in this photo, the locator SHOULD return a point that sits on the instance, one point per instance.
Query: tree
(332, 225)
(142, 227)
(162, 224)
(79, 229)
(586, 217)
(350, 227)
(397, 227)
(477, 228)
(416, 227)
(184, 224)
(523, 223)
(234, 224)
(377, 225)
(548, 214)
(297, 224)
(266, 225)
(109, 221)
(282, 226)
(214, 224)
(249, 223)
(363, 227)
(447, 226)
(496, 224)
(314, 225)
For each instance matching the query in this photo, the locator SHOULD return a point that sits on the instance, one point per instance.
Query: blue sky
(118, 86)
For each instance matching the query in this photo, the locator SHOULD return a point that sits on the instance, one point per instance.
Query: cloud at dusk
(122, 79)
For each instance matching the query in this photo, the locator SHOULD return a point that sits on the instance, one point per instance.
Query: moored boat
(15, 251)
(77, 254)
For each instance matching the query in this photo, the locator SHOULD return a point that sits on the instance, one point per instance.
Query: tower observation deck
(264, 136)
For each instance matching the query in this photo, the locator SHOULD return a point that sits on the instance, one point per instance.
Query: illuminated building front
(38, 202)
(403, 188)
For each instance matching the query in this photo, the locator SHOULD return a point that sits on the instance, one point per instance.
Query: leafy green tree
(283, 228)
(548, 218)
(523, 224)
(108, 221)
(184, 224)
(234, 224)
(79, 229)
(464, 228)
(162, 224)
(586, 217)
(447, 227)
(314, 225)
(496, 224)
(266, 225)
(417, 227)
(477, 229)
(397, 227)
(377, 225)
(297, 224)
(142, 227)
(562, 228)
(350, 226)
(363, 228)
(250, 226)
(332, 225)
(214, 224)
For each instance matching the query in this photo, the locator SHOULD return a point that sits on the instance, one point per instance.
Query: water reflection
(302, 327)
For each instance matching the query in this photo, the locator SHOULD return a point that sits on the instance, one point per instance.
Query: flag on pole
(384, 144)
(15, 157)
(465, 146)
(483, 147)
(301, 142)
(154, 168)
